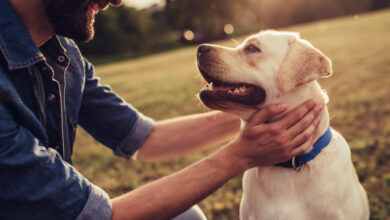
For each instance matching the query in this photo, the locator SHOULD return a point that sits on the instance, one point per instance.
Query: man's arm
(181, 136)
(172, 195)
(258, 144)
(35, 183)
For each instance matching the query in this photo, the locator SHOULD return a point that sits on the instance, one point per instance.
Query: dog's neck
(296, 97)
(313, 91)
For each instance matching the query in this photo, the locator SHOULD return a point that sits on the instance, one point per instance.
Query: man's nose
(115, 2)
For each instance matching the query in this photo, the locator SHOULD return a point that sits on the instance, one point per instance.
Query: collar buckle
(295, 167)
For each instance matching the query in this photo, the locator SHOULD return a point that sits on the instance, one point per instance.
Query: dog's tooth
(236, 90)
(211, 86)
(242, 88)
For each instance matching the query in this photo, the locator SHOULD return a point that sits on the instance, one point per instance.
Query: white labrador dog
(278, 67)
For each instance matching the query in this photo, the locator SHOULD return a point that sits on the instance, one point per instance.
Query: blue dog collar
(299, 161)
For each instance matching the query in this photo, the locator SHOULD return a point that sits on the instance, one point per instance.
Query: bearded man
(47, 88)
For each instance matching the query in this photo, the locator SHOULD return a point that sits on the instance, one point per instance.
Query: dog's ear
(302, 63)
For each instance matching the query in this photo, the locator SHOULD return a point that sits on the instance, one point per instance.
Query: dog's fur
(287, 67)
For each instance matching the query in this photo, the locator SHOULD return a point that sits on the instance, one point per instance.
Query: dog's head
(258, 72)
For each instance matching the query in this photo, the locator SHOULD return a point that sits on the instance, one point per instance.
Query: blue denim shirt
(45, 93)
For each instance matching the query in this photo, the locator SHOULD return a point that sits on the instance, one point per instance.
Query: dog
(279, 67)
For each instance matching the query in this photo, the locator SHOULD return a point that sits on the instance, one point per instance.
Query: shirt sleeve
(98, 206)
(111, 120)
(35, 183)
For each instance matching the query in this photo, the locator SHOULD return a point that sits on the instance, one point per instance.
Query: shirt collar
(16, 44)
(53, 47)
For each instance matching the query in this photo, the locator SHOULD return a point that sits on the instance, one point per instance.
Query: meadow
(165, 85)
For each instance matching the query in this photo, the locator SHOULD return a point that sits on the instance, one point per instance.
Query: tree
(206, 18)
(127, 30)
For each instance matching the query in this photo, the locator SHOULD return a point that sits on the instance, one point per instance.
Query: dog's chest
(272, 193)
(281, 193)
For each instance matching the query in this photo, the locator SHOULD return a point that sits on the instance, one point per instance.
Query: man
(47, 88)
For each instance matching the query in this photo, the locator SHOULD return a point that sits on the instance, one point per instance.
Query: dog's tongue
(243, 94)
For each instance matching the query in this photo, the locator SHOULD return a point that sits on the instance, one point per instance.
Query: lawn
(165, 85)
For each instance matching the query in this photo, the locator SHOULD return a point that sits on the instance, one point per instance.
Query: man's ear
(302, 63)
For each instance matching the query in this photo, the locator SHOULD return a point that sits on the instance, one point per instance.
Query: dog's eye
(252, 49)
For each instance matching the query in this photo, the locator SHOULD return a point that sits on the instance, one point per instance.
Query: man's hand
(263, 143)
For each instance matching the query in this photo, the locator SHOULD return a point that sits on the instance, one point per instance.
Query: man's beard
(71, 18)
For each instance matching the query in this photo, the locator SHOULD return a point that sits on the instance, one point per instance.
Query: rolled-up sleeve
(35, 183)
(133, 141)
(111, 120)
(98, 206)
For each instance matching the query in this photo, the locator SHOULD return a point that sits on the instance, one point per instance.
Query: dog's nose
(202, 49)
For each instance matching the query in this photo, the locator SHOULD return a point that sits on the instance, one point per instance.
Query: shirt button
(58, 147)
(51, 97)
(61, 59)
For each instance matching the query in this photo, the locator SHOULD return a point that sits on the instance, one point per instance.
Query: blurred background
(166, 24)
(145, 50)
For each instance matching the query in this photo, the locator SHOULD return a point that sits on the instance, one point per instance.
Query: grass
(165, 85)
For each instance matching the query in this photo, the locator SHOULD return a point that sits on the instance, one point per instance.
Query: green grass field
(165, 85)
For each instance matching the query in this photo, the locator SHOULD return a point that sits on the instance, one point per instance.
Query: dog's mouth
(242, 93)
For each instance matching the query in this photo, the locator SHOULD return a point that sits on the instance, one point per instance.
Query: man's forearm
(184, 135)
(172, 195)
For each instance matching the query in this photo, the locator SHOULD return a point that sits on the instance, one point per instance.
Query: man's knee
(194, 213)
